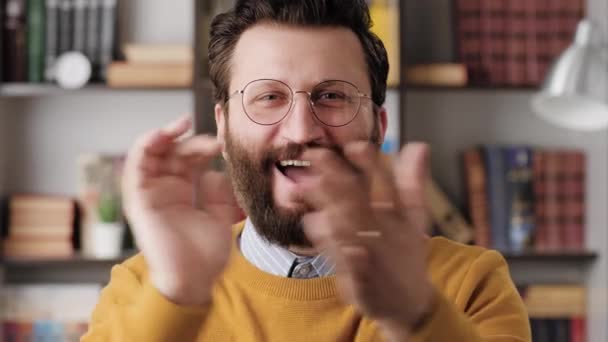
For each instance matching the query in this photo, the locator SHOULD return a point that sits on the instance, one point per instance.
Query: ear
(382, 122)
(220, 123)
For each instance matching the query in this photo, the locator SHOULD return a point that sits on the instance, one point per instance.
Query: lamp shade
(574, 94)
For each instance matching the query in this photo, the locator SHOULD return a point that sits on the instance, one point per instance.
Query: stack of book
(557, 312)
(36, 32)
(524, 199)
(153, 66)
(45, 312)
(40, 227)
(514, 42)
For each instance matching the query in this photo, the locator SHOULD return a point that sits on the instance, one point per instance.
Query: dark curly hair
(227, 28)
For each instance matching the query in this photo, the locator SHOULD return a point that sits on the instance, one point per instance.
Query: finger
(377, 170)
(217, 197)
(200, 146)
(159, 142)
(334, 181)
(413, 174)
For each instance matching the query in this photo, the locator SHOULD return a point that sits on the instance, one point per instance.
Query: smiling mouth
(284, 165)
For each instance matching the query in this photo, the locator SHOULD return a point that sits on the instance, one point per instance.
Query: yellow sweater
(477, 302)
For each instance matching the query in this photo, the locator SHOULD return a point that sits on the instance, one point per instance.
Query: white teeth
(300, 163)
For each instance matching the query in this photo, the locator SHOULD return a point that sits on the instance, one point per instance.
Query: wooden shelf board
(75, 261)
(29, 89)
(581, 257)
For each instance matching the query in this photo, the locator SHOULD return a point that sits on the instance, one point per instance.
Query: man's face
(301, 57)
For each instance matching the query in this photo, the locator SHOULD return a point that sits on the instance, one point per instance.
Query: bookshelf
(42, 120)
(503, 115)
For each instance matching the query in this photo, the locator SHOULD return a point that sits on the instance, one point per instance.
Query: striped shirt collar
(274, 259)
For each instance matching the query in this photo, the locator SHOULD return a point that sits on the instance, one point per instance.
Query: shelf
(30, 90)
(582, 257)
(76, 269)
(471, 88)
(550, 268)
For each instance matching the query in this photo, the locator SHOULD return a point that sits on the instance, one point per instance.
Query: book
(496, 187)
(107, 36)
(572, 194)
(2, 47)
(15, 38)
(40, 227)
(438, 74)
(385, 18)
(531, 42)
(446, 216)
(468, 33)
(477, 199)
(546, 192)
(93, 31)
(46, 312)
(516, 43)
(125, 75)
(158, 54)
(519, 197)
(79, 29)
(51, 42)
(65, 26)
(493, 40)
(35, 40)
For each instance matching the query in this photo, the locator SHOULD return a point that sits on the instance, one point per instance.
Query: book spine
(477, 196)
(553, 205)
(497, 197)
(532, 76)
(93, 33)
(107, 38)
(79, 29)
(469, 39)
(494, 30)
(51, 48)
(543, 37)
(35, 40)
(519, 197)
(573, 193)
(516, 43)
(578, 331)
(15, 37)
(538, 183)
(65, 26)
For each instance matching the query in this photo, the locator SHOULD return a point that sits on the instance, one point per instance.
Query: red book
(543, 37)
(516, 43)
(531, 43)
(493, 40)
(475, 175)
(546, 174)
(573, 200)
(469, 39)
(578, 329)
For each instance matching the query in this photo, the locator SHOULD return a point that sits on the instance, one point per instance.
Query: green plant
(109, 208)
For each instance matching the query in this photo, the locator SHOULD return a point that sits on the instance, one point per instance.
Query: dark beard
(251, 177)
(252, 183)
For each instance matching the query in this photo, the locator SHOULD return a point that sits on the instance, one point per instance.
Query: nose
(300, 126)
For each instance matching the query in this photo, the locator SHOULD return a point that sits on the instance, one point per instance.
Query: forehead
(300, 56)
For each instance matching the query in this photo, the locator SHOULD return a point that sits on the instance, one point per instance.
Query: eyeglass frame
(292, 100)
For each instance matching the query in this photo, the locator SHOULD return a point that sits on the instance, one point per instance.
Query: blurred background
(518, 164)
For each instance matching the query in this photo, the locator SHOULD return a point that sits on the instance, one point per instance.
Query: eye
(331, 96)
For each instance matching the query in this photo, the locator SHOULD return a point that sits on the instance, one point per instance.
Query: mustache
(294, 151)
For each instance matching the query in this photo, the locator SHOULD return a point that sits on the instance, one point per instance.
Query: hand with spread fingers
(377, 243)
(185, 247)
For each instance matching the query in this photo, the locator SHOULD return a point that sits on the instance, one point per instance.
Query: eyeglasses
(335, 103)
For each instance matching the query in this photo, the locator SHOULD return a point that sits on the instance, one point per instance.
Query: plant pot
(106, 239)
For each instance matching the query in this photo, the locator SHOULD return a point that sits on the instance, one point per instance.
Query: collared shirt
(279, 261)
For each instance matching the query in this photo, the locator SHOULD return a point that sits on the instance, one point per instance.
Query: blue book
(496, 188)
(519, 197)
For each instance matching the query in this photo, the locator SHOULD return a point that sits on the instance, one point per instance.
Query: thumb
(412, 174)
